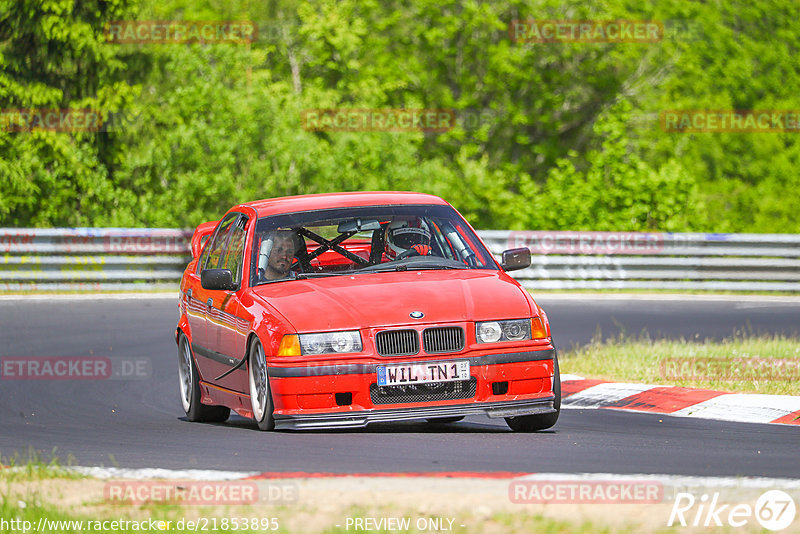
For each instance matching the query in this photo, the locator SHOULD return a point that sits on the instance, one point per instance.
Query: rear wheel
(260, 395)
(532, 423)
(189, 384)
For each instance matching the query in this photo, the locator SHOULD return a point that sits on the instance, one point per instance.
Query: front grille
(464, 389)
(397, 342)
(445, 339)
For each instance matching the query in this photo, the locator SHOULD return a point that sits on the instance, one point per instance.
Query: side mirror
(515, 259)
(218, 279)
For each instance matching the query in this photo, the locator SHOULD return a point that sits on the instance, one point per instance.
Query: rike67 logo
(774, 510)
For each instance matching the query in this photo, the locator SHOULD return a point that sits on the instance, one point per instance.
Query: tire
(260, 394)
(189, 389)
(532, 423)
(445, 420)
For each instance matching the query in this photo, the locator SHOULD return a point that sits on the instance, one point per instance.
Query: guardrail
(638, 260)
(92, 259)
(81, 259)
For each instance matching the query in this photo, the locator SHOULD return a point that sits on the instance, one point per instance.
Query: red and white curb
(580, 393)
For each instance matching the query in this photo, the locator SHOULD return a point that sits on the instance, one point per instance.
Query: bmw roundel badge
(416, 315)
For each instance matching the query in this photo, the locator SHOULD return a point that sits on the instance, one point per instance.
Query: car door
(227, 329)
(201, 301)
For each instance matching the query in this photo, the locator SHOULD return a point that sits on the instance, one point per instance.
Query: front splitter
(363, 418)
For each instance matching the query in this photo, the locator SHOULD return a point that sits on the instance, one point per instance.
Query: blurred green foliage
(549, 135)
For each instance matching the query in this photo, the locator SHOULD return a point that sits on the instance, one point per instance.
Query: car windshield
(364, 240)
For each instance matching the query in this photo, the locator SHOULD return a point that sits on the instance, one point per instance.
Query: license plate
(423, 373)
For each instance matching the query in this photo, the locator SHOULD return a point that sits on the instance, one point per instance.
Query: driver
(284, 247)
(407, 238)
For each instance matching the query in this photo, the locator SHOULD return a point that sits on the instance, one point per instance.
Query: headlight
(493, 331)
(331, 342)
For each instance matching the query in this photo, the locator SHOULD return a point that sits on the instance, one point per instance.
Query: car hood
(386, 299)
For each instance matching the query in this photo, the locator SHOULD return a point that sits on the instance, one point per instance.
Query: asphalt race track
(138, 422)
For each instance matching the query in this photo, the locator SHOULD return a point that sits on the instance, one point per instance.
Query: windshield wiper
(384, 268)
(414, 264)
(303, 276)
(434, 266)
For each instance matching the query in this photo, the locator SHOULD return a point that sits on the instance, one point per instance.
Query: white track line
(167, 474)
(603, 394)
(747, 408)
(568, 378)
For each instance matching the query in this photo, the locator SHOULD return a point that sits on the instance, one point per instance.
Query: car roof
(274, 206)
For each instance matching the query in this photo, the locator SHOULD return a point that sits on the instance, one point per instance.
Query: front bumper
(306, 396)
(363, 418)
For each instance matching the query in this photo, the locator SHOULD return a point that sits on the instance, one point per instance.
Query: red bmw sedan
(340, 310)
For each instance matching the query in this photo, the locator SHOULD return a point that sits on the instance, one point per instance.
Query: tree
(54, 57)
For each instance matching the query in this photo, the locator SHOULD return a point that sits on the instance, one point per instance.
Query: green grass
(741, 364)
(34, 465)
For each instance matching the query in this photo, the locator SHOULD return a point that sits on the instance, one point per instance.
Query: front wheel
(189, 383)
(532, 423)
(260, 395)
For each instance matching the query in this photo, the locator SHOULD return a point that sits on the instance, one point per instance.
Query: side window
(213, 251)
(234, 254)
